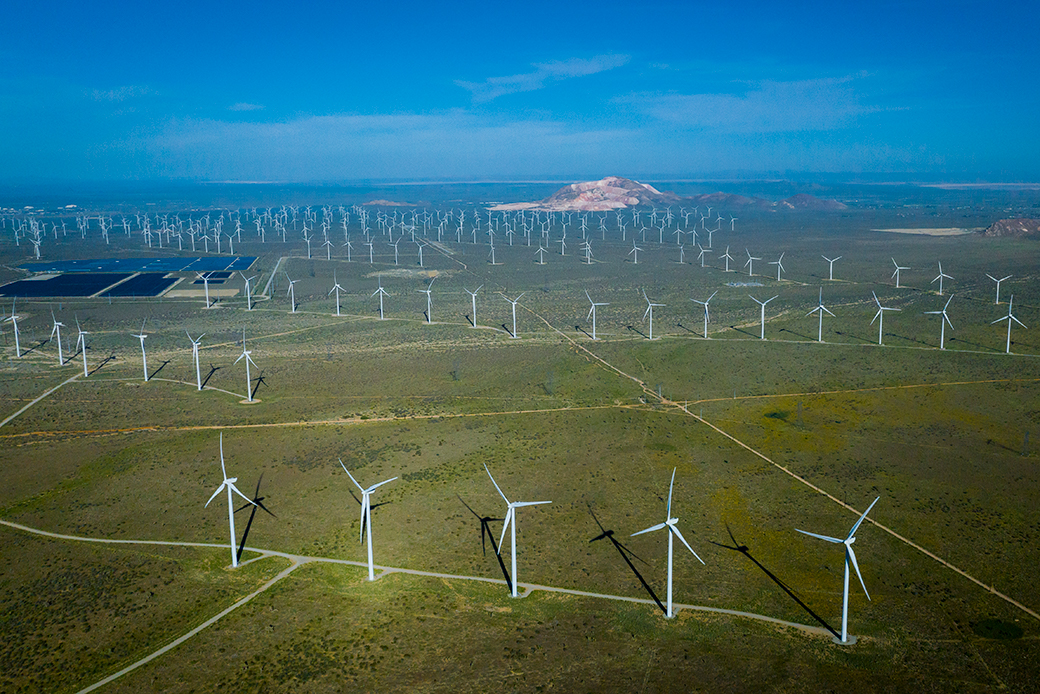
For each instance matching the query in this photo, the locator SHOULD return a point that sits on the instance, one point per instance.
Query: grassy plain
(937, 434)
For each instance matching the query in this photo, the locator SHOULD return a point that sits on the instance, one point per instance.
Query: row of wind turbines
(511, 520)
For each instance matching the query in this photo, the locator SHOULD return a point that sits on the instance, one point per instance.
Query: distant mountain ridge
(614, 192)
(1019, 227)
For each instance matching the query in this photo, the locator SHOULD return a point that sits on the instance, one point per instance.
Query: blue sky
(409, 91)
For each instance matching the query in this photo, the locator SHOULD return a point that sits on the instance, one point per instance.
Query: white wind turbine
(249, 297)
(830, 263)
(896, 273)
(635, 253)
(762, 331)
(56, 330)
(939, 279)
(473, 296)
(998, 284)
(429, 300)
(229, 484)
(750, 264)
(700, 256)
(705, 305)
(366, 515)
(195, 356)
(650, 312)
(592, 312)
(513, 302)
(850, 556)
(880, 316)
(249, 360)
(727, 258)
(381, 292)
(669, 524)
(291, 292)
(943, 321)
(1009, 317)
(511, 507)
(821, 309)
(81, 344)
(144, 356)
(779, 262)
(336, 288)
(204, 276)
(13, 319)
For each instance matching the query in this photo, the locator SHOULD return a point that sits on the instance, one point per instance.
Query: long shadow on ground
(743, 549)
(485, 527)
(258, 502)
(625, 553)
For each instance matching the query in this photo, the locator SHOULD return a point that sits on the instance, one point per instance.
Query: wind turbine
(987, 275)
(779, 262)
(669, 524)
(249, 360)
(229, 484)
(831, 261)
(592, 312)
(56, 330)
(650, 312)
(429, 300)
(381, 292)
(336, 288)
(762, 332)
(81, 344)
(144, 356)
(939, 279)
(204, 276)
(880, 316)
(249, 297)
(635, 252)
(366, 514)
(700, 256)
(291, 292)
(195, 356)
(511, 518)
(727, 257)
(14, 323)
(896, 273)
(822, 309)
(705, 305)
(1009, 317)
(750, 264)
(473, 296)
(943, 321)
(850, 556)
(513, 302)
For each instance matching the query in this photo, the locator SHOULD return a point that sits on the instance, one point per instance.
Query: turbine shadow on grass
(625, 552)
(912, 339)
(582, 330)
(506, 328)
(156, 372)
(804, 337)
(259, 380)
(856, 337)
(110, 357)
(212, 370)
(637, 331)
(743, 549)
(741, 330)
(485, 527)
(976, 345)
(258, 502)
(680, 325)
(35, 347)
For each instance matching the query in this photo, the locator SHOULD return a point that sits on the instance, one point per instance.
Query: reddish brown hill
(1016, 228)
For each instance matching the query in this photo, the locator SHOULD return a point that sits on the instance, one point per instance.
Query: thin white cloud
(543, 74)
(804, 105)
(243, 106)
(121, 93)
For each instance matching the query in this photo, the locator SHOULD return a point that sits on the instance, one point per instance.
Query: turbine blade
(496, 485)
(351, 476)
(822, 537)
(365, 506)
(505, 527)
(650, 529)
(518, 504)
(219, 490)
(377, 486)
(671, 486)
(856, 526)
(855, 565)
(683, 539)
(235, 490)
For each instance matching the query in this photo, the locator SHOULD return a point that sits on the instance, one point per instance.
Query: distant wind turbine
(510, 519)
(942, 322)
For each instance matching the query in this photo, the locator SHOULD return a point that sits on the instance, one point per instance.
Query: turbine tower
(473, 296)
(381, 292)
(705, 305)
(669, 524)
(144, 356)
(592, 312)
(229, 484)
(727, 258)
(195, 356)
(14, 323)
(1009, 317)
(822, 309)
(511, 507)
(56, 330)
(850, 556)
(336, 288)
(81, 344)
(249, 360)
(880, 316)
(249, 296)
(366, 515)
(762, 331)
(943, 321)
(779, 262)
(650, 312)
(987, 275)
(291, 292)
(429, 300)
(830, 261)
(896, 273)
(940, 277)
(750, 264)
(513, 302)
